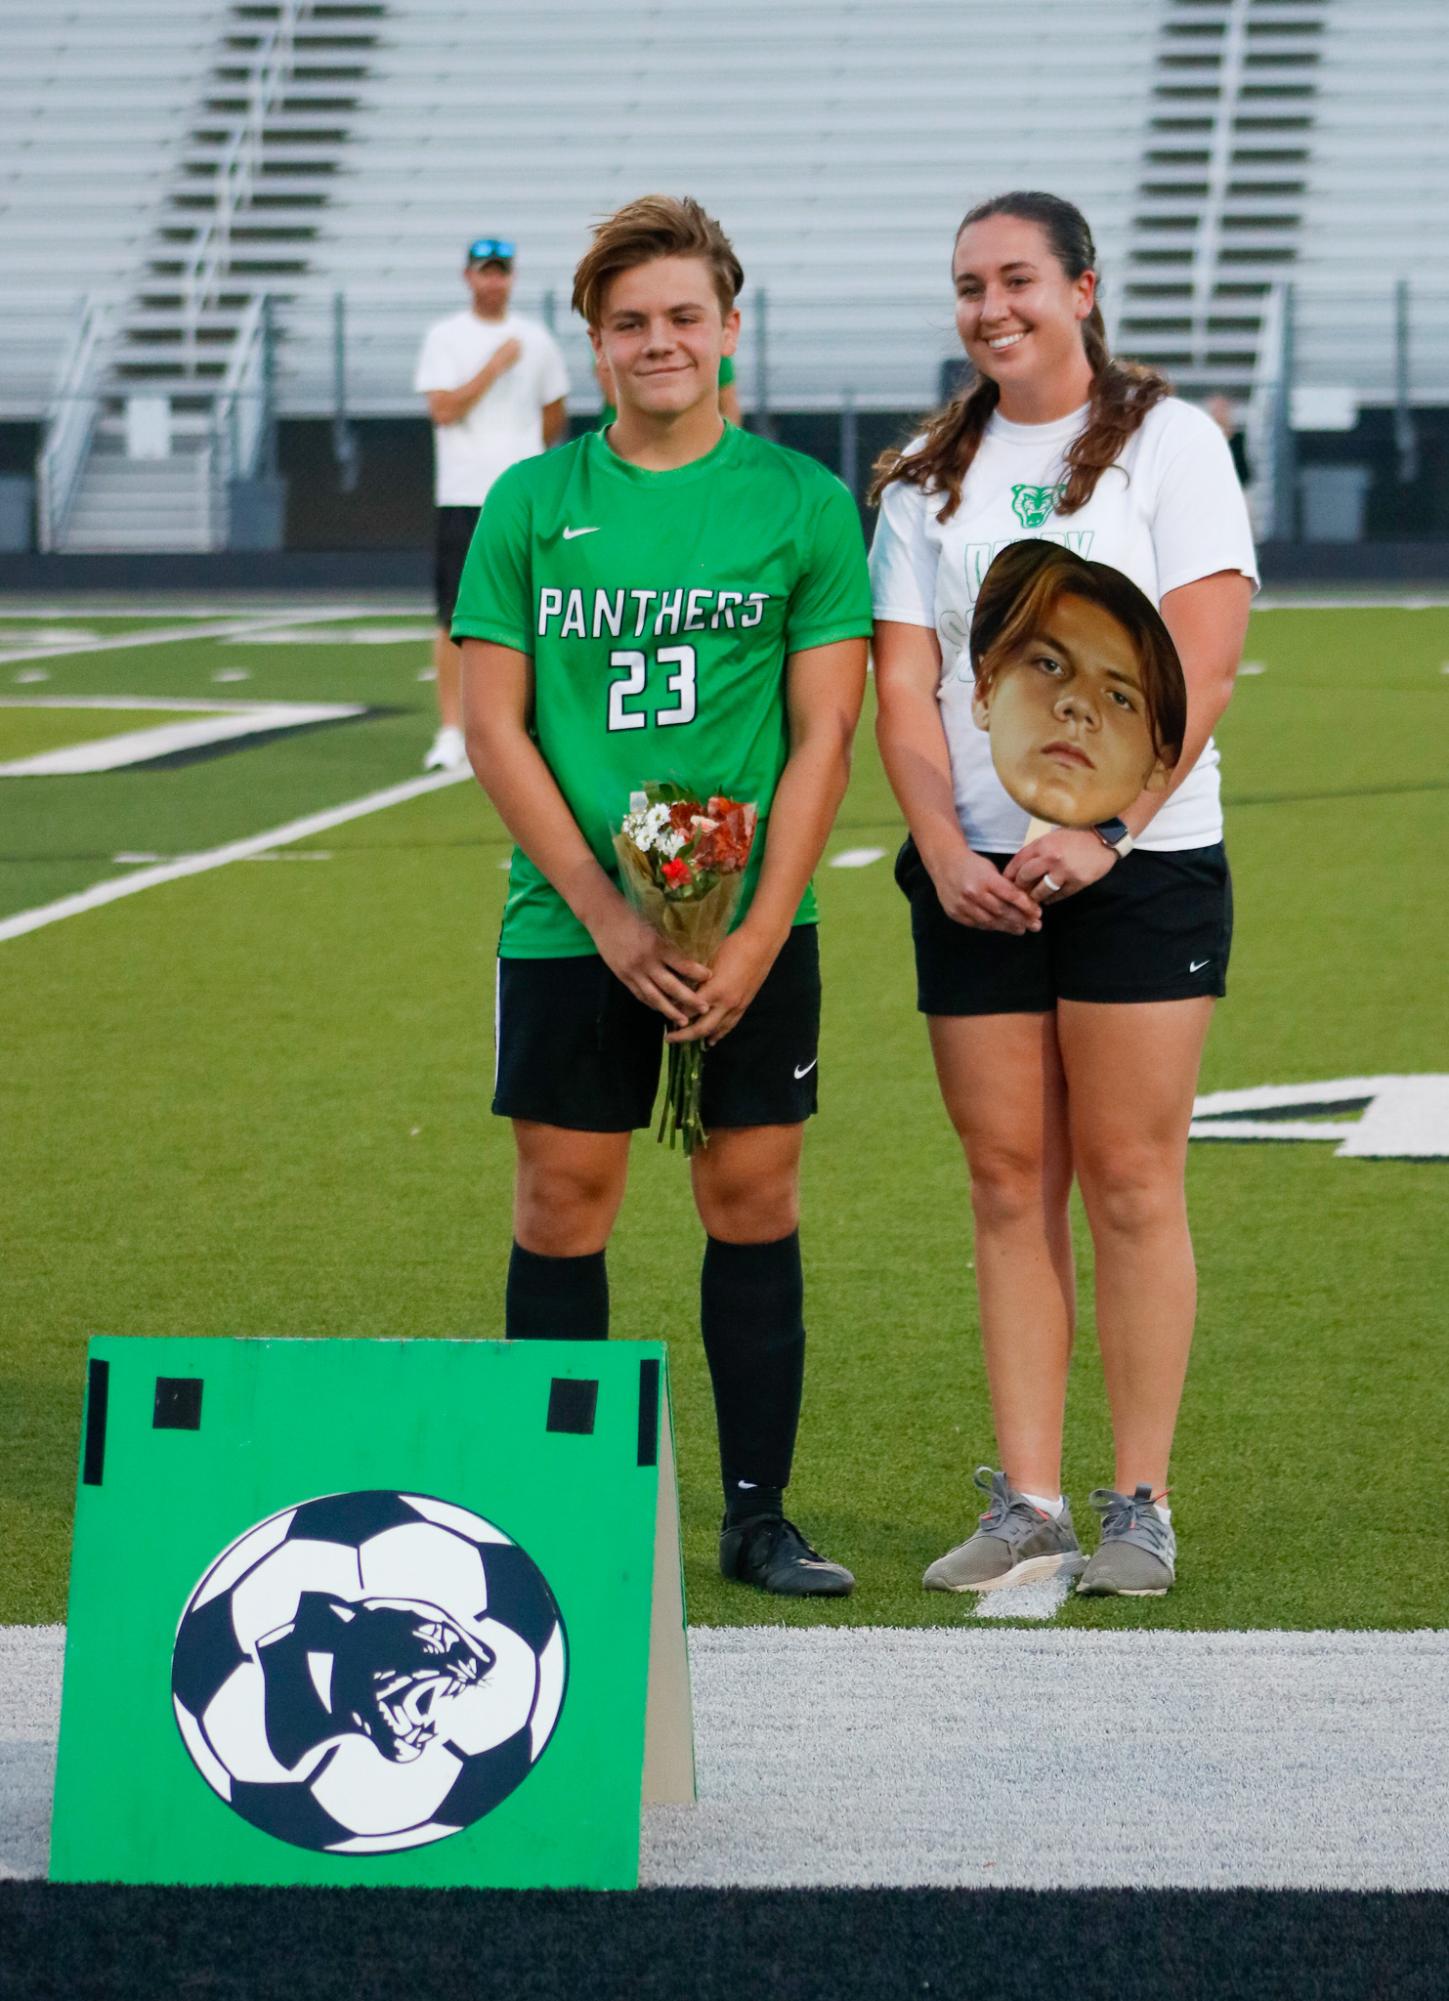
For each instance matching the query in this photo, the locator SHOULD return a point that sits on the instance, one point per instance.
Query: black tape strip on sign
(178, 1404)
(648, 1413)
(572, 1403)
(93, 1464)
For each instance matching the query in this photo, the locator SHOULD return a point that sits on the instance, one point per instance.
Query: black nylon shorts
(1156, 927)
(452, 534)
(576, 1049)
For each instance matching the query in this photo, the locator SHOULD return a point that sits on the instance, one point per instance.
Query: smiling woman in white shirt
(1068, 980)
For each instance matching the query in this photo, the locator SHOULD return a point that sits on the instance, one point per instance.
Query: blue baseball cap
(491, 250)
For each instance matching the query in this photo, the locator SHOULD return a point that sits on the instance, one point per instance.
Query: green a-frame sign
(403, 1612)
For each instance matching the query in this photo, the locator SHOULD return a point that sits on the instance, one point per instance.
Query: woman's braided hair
(1122, 391)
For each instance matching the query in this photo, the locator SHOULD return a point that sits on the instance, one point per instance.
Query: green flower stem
(679, 1117)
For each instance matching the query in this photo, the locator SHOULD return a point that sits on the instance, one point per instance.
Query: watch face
(1078, 685)
(1112, 830)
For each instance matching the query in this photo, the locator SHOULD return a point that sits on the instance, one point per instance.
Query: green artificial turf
(255, 1102)
(60, 833)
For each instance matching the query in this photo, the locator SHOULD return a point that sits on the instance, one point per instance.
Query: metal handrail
(1267, 425)
(71, 422)
(241, 415)
(236, 172)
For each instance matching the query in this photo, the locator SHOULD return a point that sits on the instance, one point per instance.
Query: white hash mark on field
(1252, 667)
(857, 857)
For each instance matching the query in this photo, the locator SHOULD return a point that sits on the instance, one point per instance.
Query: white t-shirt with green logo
(1169, 511)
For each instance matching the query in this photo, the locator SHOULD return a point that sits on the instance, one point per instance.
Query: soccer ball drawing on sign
(368, 1672)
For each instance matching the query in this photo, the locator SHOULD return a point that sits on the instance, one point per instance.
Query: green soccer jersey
(659, 609)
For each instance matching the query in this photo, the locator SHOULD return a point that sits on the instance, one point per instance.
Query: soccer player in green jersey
(671, 599)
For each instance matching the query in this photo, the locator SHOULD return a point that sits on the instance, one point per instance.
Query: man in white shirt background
(495, 383)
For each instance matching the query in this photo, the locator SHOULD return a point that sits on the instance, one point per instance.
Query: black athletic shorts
(453, 531)
(577, 1049)
(1156, 927)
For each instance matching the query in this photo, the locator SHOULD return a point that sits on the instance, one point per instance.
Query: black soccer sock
(556, 1299)
(751, 1299)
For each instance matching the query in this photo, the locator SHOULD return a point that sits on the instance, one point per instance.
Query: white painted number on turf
(634, 678)
(1370, 1118)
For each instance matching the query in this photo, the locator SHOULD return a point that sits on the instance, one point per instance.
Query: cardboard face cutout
(1077, 683)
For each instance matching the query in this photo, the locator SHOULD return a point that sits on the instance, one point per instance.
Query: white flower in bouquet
(648, 828)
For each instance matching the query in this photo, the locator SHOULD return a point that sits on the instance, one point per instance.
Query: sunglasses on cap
(492, 250)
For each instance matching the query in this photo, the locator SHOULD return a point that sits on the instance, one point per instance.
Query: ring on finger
(1050, 882)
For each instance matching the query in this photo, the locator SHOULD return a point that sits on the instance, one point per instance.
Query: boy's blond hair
(654, 226)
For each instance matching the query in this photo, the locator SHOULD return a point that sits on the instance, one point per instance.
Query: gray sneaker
(1137, 1556)
(1016, 1544)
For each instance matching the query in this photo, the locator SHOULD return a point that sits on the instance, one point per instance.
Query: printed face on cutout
(661, 334)
(1067, 713)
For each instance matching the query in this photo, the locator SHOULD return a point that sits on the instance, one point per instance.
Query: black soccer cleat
(770, 1553)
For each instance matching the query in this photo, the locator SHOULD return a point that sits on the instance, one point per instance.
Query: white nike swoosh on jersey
(570, 533)
(1197, 965)
(808, 1068)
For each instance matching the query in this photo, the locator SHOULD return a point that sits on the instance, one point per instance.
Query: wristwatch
(1114, 835)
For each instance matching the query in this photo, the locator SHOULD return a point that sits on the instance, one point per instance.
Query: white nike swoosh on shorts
(799, 1073)
(571, 533)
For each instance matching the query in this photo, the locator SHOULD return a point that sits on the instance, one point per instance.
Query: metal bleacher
(1377, 203)
(180, 159)
(94, 98)
(840, 144)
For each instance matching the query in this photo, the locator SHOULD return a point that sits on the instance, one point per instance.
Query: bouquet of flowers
(682, 866)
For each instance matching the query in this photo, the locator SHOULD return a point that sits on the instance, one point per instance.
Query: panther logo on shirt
(1032, 505)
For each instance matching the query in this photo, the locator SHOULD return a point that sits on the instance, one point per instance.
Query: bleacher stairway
(1223, 183)
(238, 218)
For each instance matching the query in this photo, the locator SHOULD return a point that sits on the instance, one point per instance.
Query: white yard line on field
(242, 606)
(871, 1755)
(218, 722)
(234, 851)
(1304, 600)
(167, 635)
